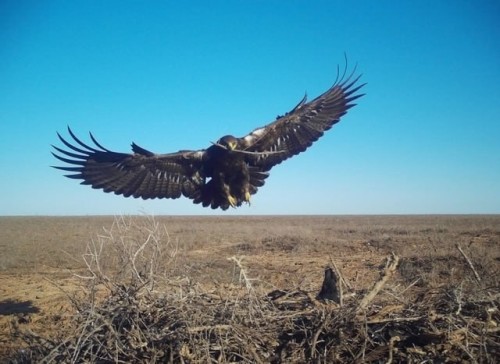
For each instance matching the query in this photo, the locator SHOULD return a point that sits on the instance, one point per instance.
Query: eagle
(223, 175)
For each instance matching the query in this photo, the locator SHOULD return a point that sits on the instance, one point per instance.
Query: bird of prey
(225, 174)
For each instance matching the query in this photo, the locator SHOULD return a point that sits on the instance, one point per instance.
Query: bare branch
(390, 268)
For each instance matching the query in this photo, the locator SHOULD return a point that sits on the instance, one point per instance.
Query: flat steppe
(42, 259)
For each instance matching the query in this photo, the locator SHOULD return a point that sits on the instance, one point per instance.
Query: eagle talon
(232, 201)
(247, 197)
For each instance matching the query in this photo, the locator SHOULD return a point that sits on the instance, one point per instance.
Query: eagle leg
(233, 201)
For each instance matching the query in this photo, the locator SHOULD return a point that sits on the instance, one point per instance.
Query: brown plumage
(223, 175)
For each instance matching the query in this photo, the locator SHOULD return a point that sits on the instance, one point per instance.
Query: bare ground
(44, 277)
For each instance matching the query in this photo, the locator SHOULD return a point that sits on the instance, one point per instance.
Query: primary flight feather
(225, 174)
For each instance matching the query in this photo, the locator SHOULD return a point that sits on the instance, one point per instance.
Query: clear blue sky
(174, 75)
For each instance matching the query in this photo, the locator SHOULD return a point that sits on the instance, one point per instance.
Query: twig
(365, 338)
(133, 258)
(411, 285)
(391, 348)
(197, 329)
(470, 263)
(76, 303)
(340, 280)
(317, 333)
(392, 263)
(256, 355)
(395, 319)
(347, 284)
(458, 297)
(243, 274)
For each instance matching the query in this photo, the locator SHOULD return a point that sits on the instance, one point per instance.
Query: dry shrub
(133, 309)
(133, 251)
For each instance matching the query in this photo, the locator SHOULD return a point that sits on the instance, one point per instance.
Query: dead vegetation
(135, 305)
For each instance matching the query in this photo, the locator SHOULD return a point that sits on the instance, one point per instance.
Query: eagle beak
(232, 145)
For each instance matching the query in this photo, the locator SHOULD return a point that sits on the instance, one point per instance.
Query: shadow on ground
(12, 307)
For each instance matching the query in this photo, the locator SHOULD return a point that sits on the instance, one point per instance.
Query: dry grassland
(243, 289)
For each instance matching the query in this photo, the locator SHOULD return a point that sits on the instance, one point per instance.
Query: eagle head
(228, 141)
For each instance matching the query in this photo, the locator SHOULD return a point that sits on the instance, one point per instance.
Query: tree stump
(330, 288)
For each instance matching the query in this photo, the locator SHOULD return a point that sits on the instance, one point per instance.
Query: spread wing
(141, 174)
(294, 132)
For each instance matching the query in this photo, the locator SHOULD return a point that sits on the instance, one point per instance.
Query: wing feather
(141, 174)
(298, 129)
